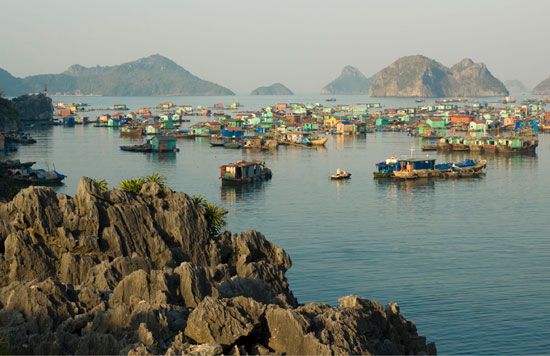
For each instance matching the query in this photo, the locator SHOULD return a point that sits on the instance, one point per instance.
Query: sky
(243, 44)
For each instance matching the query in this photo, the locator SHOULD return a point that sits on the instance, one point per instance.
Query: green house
(163, 143)
(436, 123)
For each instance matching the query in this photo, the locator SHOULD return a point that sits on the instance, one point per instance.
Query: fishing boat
(14, 164)
(21, 138)
(232, 145)
(318, 141)
(444, 144)
(244, 172)
(36, 176)
(429, 147)
(340, 175)
(129, 131)
(217, 140)
(412, 168)
(330, 99)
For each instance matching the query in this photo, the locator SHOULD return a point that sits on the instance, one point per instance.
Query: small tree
(101, 185)
(214, 215)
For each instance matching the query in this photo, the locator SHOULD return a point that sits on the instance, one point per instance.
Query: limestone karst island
(274, 178)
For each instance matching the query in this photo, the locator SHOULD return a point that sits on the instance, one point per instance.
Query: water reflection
(233, 194)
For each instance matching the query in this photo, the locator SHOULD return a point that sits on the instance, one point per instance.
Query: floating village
(482, 129)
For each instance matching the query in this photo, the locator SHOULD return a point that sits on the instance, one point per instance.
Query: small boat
(330, 99)
(429, 147)
(36, 176)
(340, 174)
(244, 172)
(217, 140)
(14, 164)
(128, 131)
(419, 100)
(319, 141)
(232, 145)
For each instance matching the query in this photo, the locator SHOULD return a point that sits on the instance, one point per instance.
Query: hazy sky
(304, 44)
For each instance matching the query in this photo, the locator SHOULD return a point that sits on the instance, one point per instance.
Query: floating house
(244, 172)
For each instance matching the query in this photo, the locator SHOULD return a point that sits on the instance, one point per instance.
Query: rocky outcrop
(34, 108)
(9, 117)
(273, 89)
(117, 272)
(543, 88)
(350, 81)
(419, 76)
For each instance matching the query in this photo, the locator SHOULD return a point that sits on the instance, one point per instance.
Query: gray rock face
(273, 89)
(419, 76)
(350, 81)
(117, 272)
(34, 108)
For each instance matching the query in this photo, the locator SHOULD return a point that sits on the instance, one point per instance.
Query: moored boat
(32, 176)
(340, 175)
(412, 168)
(320, 141)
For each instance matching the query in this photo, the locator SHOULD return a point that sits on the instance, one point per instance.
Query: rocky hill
(10, 85)
(150, 76)
(350, 81)
(122, 273)
(419, 76)
(543, 88)
(273, 89)
(25, 109)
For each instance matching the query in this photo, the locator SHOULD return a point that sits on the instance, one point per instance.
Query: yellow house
(331, 121)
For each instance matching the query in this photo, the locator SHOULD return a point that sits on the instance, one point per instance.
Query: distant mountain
(150, 76)
(516, 87)
(419, 76)
(543, 88)
(10, 85)
(273, 89)
(350, 81)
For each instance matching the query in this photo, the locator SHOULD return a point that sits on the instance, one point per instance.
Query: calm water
(468, 260)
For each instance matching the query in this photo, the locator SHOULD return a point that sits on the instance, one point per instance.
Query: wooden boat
(145, 147)
(127, 131)
(459, 147)
(340, 175)
(411, 168)
(14, 164)
(217, 141)
(321, 141)
(444, 145)
(36, 176)
(429, 147)
(244, 172)
(232, 145)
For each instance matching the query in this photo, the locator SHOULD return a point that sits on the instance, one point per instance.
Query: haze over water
(467, 259)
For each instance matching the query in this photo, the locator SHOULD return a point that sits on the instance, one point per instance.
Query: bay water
(468, 260)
